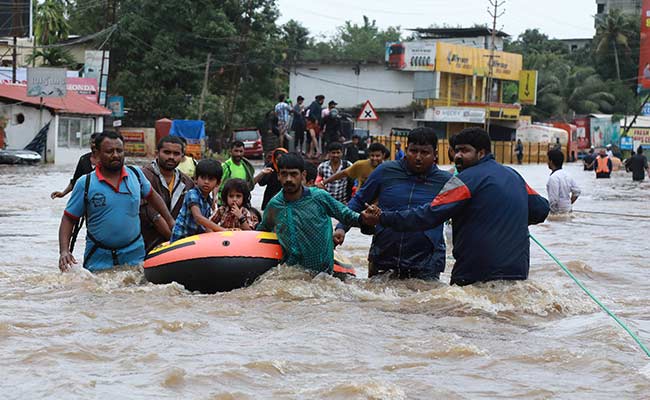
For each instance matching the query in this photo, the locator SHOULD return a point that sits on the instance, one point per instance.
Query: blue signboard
(116, 105)
(646, 109)
(627, 143)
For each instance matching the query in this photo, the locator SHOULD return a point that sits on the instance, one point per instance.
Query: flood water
(113, 335)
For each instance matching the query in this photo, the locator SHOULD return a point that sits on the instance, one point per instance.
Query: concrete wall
(388, 121)
(19, 135)
(342, 84)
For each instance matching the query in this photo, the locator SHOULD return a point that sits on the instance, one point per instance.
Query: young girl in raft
(234, 214)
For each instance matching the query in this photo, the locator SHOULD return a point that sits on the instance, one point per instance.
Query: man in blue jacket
(490, 206)
(400, 185)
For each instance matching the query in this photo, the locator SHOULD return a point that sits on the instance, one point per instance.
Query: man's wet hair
(172, 140)
(423, 136)
(210, 168)
(376, 146)
(99, 138)
(312, 171)
(475, 137)
(556, 157)
(238, 185)
(334, 146)
(452, 140)
(639, 150)
(236, 143)
(291, 161)
(281, 97)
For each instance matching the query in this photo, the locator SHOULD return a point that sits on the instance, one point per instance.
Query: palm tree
(613, 30)
(50, 26)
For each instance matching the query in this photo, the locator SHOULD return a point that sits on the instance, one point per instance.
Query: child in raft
(234, 214)
(256, 217)
(194, 217)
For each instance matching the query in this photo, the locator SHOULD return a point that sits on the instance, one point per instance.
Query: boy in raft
(234, 214)
(300, 216)
(194, 217)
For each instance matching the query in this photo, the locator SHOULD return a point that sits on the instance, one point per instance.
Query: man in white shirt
(562, 189)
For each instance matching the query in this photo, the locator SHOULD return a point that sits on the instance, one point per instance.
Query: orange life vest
(601, 166)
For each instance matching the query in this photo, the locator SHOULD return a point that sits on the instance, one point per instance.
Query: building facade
(626, 6)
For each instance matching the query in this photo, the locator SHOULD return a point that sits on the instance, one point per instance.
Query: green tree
(612, 32)
(295, 40)
(50, 27)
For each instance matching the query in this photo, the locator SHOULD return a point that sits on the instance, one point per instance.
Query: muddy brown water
(113, 335)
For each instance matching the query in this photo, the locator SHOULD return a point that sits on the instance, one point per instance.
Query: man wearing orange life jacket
(603, 165)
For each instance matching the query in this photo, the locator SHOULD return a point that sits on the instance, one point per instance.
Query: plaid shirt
(338, 189)
(185, 224)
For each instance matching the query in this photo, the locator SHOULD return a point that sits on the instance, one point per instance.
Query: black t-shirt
(589, 158)
(84, 166)
(272, 184)
(638, 164)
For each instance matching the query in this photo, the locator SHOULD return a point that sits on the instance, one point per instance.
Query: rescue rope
(576, 280)
(611, 213)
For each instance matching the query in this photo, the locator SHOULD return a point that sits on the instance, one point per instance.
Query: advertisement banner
(459, 114)
(604, 132)
(411, 56)
(87, 87)
(644, 48)
(133, 142)
(46, 82)
(116, 105)
(528, 87)
(641, 137)
(465, 60)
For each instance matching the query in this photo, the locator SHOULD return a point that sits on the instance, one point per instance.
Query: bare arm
(159, 205)
(336, 177)
(262, 174)
(65, 191)
(66, 259)
(203, 221)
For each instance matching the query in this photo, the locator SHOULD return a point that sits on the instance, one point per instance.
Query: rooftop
(440, 33)
(72, 103)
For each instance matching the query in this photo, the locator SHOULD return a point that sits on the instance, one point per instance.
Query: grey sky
(560, 19)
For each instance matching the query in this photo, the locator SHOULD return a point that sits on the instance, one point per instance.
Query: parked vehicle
(252, 140)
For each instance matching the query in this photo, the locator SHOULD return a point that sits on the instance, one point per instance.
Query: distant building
(438, 81)
(574, 45)
(626, 6)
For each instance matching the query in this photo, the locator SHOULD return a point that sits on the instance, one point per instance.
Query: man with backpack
(109, 198)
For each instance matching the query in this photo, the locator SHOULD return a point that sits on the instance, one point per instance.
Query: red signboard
(644, 48)
(133, 142)
(87, 87)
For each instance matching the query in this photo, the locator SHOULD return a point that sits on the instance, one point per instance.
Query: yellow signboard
(528, 87)
(465, 60)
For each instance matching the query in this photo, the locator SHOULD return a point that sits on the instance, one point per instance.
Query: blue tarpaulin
(191, 130)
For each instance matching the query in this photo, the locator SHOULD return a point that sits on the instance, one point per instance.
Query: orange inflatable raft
(219, 261)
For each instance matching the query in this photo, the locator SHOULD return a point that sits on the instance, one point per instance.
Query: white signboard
(46, 82)
(93, 69)
(459, 114)
(411, 56)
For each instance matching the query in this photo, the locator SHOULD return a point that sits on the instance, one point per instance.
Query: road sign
(368, 113)
(528, 87)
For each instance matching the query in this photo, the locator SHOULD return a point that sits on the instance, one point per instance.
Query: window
(20, 118)
(75, 132)
(601, 9)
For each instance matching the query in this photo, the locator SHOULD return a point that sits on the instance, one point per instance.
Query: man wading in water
(109, 197)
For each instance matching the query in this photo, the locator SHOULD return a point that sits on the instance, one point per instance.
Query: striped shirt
(338, 189)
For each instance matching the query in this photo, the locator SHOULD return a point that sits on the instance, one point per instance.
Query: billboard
(641, 137)
(604, 132)
(133, 142)
(465, 60)
(411, 56)
(644, 48)
(93, 69)
(46, 82)
(15, 18)
(87, 87)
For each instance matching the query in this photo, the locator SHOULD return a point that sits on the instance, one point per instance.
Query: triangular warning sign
(368, 113)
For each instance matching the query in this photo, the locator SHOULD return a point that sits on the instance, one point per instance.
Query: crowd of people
(402, 203)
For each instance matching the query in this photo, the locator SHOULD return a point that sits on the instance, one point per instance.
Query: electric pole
(495, 14)
(205, 86)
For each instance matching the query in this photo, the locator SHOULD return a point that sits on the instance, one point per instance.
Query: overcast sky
(561, 19)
